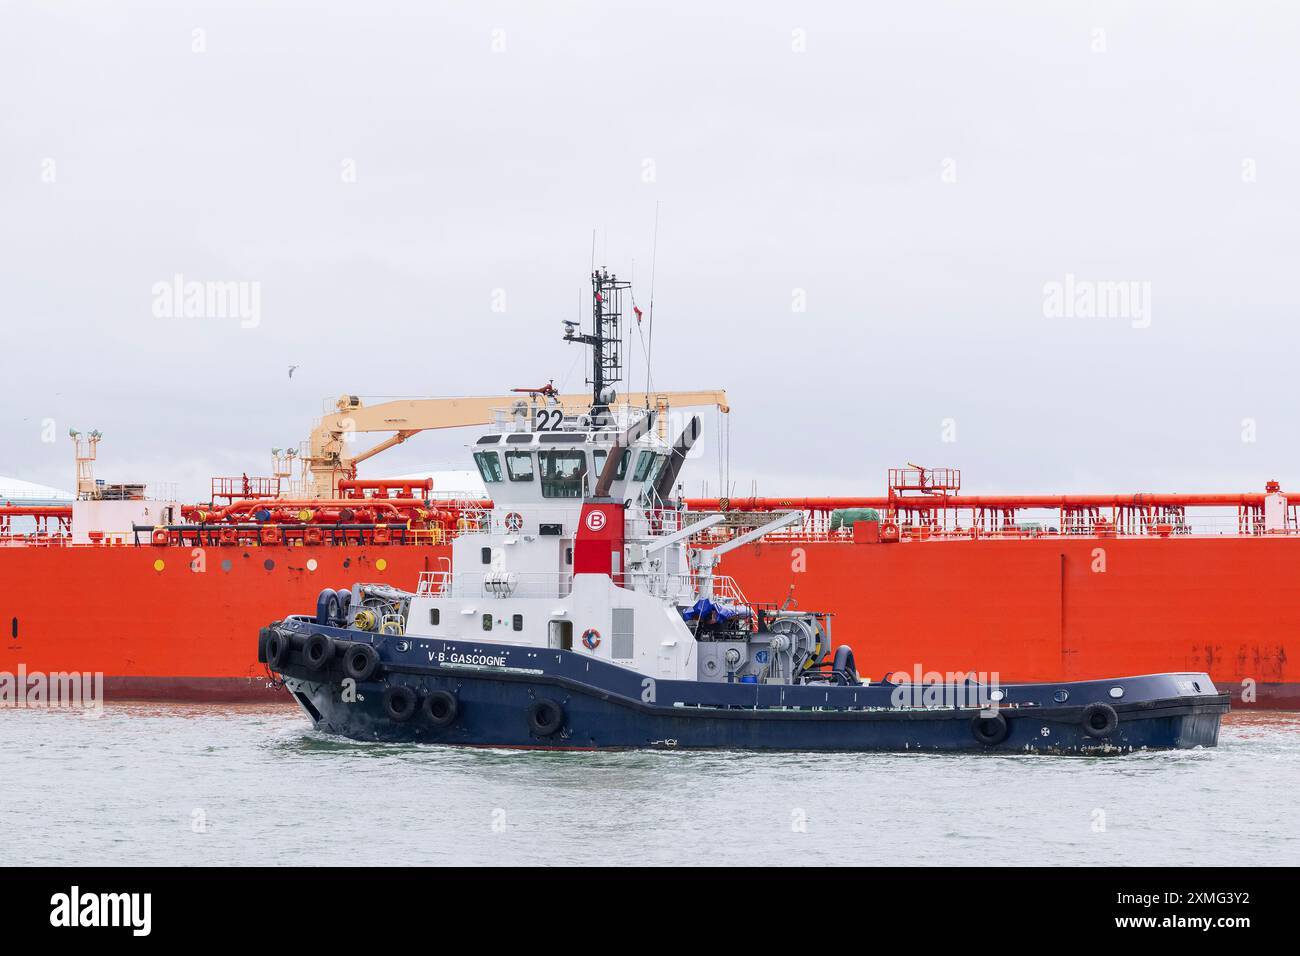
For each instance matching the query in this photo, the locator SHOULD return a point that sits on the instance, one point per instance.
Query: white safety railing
(684, 588)
(494, 584)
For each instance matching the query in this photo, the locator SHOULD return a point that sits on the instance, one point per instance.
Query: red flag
(638, 314)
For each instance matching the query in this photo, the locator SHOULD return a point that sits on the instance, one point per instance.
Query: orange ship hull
(173, 633)
(1053, 608)
(1037, 609)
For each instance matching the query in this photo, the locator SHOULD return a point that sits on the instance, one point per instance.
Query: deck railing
(494, 584)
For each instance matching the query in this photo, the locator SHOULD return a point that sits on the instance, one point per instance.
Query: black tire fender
(1099, 720)
(400, 702)
(327, 607)
(441, 708)
(990, 731)
(278, 647)
(360, 662)
(318, 651)
(545, 716)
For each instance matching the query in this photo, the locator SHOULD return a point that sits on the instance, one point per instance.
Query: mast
(605, 337)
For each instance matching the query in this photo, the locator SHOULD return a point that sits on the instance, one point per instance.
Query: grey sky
(775, 170)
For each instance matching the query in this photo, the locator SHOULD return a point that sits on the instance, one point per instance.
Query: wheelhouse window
(647, 466)
(564, 473)
(489, 465)
(519, 465)
(620, 470)
(660, 461)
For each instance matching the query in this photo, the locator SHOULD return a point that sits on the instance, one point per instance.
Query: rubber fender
(545, 717)
(318, 651)
(327, 607)
(360, 662)
(400, 702)
(1099, 720)
(990, 731)
(442, 708)
(277, 649)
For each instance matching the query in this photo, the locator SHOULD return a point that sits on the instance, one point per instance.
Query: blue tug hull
(429, 690)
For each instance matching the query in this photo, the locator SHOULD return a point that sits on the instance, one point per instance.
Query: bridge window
(643, 465)
(620, 471)
(660, 461)
(564, 473)
(489, 465)
(519, 465)
(648, 466)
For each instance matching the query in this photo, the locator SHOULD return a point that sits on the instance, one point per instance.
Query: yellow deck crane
(329, 461)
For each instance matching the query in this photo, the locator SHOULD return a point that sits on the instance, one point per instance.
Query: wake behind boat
(585, 611)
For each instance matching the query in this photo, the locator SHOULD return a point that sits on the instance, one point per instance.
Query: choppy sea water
(172, 784)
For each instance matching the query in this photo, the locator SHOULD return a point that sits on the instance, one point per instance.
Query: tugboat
(585, 611)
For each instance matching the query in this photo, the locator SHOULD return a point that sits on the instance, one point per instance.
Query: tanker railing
(940, 517)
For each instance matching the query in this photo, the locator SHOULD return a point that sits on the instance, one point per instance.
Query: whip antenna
(654, 256)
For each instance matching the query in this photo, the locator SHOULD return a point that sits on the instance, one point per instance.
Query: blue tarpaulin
(705, 608)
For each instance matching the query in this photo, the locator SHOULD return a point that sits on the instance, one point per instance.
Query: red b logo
(596, 520)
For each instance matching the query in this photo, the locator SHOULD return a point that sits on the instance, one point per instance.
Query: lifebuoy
(1099, 720)
(545, 717)
(277, 649)
(441, 707)
(318, 651)
(990, 731)
(514, 521)
(400, 702)
(360, 661)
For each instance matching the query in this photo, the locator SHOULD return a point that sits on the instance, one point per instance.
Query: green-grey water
(169, 784)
